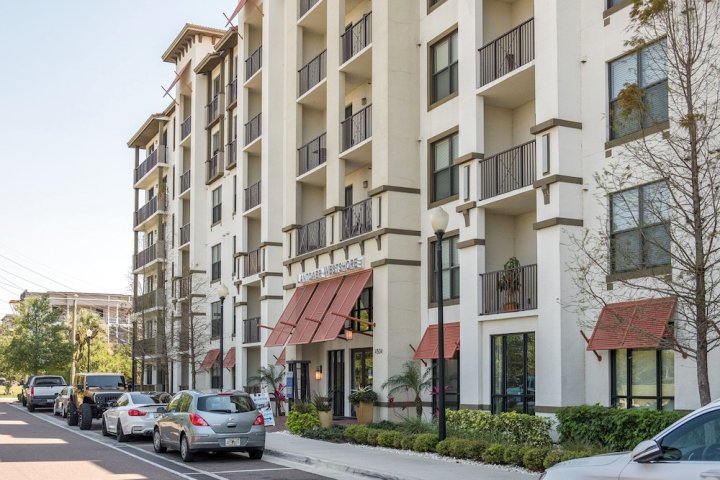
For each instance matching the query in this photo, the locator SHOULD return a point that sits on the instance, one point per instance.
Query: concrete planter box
(364, 413)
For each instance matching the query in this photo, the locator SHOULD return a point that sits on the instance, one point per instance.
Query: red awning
(229, 361)
(428, 348)
(281, 359)
(210, 359)
(290, 316)
(315, 311)
(634, 324)
(341, 306)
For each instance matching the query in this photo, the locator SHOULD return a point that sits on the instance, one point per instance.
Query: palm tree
(411, 380)
(273, 378)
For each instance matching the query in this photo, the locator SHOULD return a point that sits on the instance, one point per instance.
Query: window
(148, 375)
(444, 174)
(234, 319)
(513, 373)
(646, 68)
(643, 378)
(215, 309)
(639, 230)
(444, 61)
(452, 383)
(363, 309)
(216, 205)
(215, 373)
(215, 263)
(216, 86)
(234, 194)
(450, 269)
(696, 440)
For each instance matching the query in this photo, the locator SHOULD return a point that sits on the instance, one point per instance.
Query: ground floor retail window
(452, 384)
(643, 379)
(513, 373)
(215, 373)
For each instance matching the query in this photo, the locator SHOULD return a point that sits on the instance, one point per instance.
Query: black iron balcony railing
(149, 209)
(253, 129)
(232, 91)
(252, 196)
(213, 108)
(185, 234)
(254, 262)
(357, 128)
(186, 285)
(214, 166)
(312, 154)
(509, 290)
(231, 154)
(357, 219)
(313, 72)
(159, 155)
(149, 300)
(305, 6)
(507, 52)
(153, 252)
(253, 63)
(251, 330)
(311, 236)
(508, 170)
(185, 127)
(185, 181)
(357, 37)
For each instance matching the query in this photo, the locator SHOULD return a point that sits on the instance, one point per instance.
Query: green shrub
(303, 407)
(474, 449)
(553, 457)
(408, 442)
(494, 453)
(301, 420)
(514, 455)
(572, 454)
(446, 447)
(384, 425)
(356, 433)
(335, 434)
(372, 436)
(425, 442)
(390, 439)
(416, 425)
(534, 458)
(507, 427)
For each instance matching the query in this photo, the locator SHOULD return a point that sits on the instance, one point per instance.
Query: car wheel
(157, 442)
(185, 453)
(85, 416)
(256, 453)
(104, 428)
(24, 402)
(30, 407)
(72, 415)
(121, 437)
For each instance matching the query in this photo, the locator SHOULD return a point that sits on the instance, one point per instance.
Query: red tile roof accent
(281, 359)
(229, 361)
(290, 316)
(633, 324)
(315, 311)
(428, 347)
(210, 359)
(334, 321)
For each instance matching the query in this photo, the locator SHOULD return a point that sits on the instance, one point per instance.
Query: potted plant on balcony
(323, 405)
(363, 399)
(509, 283)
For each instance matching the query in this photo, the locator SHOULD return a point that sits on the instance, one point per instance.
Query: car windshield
(141, 399)
(105, 381)
(49, 382)
(225, 404)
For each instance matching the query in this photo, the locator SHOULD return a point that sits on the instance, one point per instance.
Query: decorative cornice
(393, 188)
(270, 244)
(289, 286)
(552, 123)
(551, 222)
(471, 243)
(557, 179)
(291, 227)
(395, 261)
(468, 157)
(466, 206)
(334, 209)
(270, 297)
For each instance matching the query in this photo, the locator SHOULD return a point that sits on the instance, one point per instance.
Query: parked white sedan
(689, 449)
(133, 414)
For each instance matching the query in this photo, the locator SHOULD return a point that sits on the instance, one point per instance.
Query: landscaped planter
(364, 412)
(326, 419)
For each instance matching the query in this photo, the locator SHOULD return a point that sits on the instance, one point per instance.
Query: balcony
(311, 236)
(185, 128)
(312, 154)
(312, 74)
(253, 63)
(153, 206)
(154, 252)
(252, 196)
(357, 219)
(507, 171)
(231, 159)
(214, 167)
(305, 6)
(254, 262)
(185, 234)
(357, 128)
(184, 182)
(232, 92)
(253, 129)
(506, 53)
(150, 300)
(357, 37)
(251, 330)
(214, 108)
(510, 290)
(157, 156)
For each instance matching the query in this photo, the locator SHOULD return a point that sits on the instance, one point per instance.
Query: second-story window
(216, 205)
(450, 270)
(639, 235)
(215, 254)
(646, 68)
(444, 70)
(215, 319)
(444, 173)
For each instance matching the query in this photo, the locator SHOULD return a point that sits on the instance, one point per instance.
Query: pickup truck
(41, 390)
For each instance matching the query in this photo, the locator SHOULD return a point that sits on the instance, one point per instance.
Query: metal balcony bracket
(587, 341)
(415, 351)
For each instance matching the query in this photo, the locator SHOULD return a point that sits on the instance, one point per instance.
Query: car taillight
(197, 420)
(136, 413)
(32, 391)
(259, 420)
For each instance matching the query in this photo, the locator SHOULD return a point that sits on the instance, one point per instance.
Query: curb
(319, 462)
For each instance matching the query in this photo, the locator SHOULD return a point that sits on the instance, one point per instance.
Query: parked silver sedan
(133, 414)
(210, 421)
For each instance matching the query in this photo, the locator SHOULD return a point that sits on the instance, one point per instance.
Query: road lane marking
(12, 422)
(250, 470)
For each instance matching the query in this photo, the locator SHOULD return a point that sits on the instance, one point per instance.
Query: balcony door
(336, 381)
(362, 369)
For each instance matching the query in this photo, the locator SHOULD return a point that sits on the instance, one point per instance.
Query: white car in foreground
(689, 449)
(133, 414)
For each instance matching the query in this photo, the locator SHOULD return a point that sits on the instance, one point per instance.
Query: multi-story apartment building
(298, 166)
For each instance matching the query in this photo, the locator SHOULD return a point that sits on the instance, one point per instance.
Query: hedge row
(508, 427)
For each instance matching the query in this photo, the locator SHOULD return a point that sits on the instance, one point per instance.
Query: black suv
(94, 392)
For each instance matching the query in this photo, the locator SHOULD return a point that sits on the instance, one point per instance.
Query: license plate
(235, 442)
(50, 401)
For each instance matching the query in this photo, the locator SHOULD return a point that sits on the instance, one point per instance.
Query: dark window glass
(217, 205)
(226, 404)
(363, 310)
(215, 319)
(105, 381)
(444, 67)
(643, 379)
(452, 383)
(445, 174)
(513, 373)
(450, 270)
(695, 441)
(215, 253)
(141, 399)
(215, 373)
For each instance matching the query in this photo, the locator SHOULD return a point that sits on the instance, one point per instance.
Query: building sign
(331, 270)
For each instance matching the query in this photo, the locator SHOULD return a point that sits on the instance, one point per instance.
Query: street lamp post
(439, 222)
(89, 334)
(222, 293)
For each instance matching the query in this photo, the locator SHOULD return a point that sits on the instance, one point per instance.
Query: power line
(36, 272)
(24, 279)
(46, 267)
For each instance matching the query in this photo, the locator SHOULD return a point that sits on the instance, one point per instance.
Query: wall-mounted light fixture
(318, 372)
(348, 334)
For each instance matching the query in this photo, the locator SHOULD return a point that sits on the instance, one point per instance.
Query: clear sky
(77, 79)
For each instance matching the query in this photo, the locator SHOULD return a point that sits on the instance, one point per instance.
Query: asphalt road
(41, 446)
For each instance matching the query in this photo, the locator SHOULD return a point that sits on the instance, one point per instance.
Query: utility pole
(74, 333)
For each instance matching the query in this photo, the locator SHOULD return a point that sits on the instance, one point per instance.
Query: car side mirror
(646, 451)
(161, 410)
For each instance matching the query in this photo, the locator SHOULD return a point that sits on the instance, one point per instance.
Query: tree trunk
(418, 406)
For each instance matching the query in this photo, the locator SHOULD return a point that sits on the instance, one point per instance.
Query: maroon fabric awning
(281, 359)
(428, 348)
(290, 316)
(315, 311)
(210, 359)
(229, 361)
(341, 306)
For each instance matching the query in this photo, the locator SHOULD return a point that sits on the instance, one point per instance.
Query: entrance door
(362, 368)
(336, 381)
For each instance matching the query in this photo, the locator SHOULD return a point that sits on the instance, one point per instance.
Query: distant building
(6, 324)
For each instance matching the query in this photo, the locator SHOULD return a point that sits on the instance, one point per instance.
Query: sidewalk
(383, 463)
